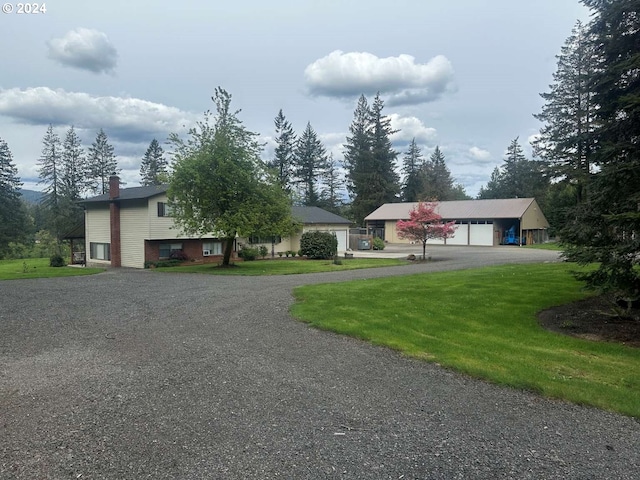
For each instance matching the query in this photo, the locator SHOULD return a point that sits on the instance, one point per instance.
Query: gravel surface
(137, 374)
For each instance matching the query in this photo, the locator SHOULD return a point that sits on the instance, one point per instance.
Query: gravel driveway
(137, 374)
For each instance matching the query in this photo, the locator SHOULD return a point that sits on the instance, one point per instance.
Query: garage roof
(459, 209)
(310, 215)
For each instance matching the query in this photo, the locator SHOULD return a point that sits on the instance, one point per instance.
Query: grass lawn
(545, 246)
(286, 266)
(39, 268)
(482, 322)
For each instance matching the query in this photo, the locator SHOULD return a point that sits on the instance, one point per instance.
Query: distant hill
(32, 196)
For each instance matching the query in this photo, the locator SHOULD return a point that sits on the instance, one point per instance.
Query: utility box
(364, 244)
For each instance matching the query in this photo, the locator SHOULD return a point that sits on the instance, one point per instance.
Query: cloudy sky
(462, 74)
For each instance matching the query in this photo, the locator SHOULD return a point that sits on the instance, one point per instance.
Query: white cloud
(86, 49)
(400, 78)
(127, 119)
(409, 128)
(479, 154)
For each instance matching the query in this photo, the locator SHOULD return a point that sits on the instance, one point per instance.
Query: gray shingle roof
(459, 209)
(133, 193)
(310, 215)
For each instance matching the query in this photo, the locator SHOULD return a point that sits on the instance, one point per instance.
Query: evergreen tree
(493, 189)
(370, 160)
(358, 158)
(330, 197)
(153, 168)
(73, 167)
(518, 177)
(438, 183)
(102, 163)
(284, 158)
(13, 221)
(604, 228)
(310, 166)
(414, 166)
(50, 168)
(566, 140)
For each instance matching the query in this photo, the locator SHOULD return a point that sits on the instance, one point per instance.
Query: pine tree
(153, 168)
(414, 164)
(73, 167)
(566, 140)
(330, 198)
(438, 183)
(358, 158)
(310, 165)
(50, 168)
(370, 160)
(604, 228)
(284, 152)
(12, 213)
(102, 163)
(493, 189)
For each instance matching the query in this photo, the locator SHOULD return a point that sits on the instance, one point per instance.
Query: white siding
(461, 236)
(481, 235)
(134, 225)
(97, 230)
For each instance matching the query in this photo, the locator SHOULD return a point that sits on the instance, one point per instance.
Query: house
(479, 222)
(131, 226)
(311, 219)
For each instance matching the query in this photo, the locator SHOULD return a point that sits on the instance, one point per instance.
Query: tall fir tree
(73, 167)
(102, 163)
(604, 228)
(566, 141)
(438, 183)
(13, 221)
(330, 197)
(284, 153)
(310, 166)
(153, 168)
(358, 158)
(50, 168)
(370, 160)
(413, 168)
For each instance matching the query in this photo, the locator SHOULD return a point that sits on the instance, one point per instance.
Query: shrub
(248, 254)
(319, 245)
(264, 251)
(178, 255)
(280, 254)
(56, 261)
(378, 244)
(162, 263)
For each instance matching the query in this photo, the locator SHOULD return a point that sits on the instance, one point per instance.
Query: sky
(464, 75)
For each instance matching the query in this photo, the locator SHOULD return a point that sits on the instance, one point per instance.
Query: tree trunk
(228, 249)
(424, 250)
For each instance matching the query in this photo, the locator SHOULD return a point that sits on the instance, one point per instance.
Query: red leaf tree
(424, 224)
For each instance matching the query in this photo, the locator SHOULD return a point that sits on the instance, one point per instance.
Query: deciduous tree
(425, 224)
(219, 184)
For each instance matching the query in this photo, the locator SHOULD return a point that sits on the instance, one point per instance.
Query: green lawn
(39, 268)
(483, 322)
(286, 266)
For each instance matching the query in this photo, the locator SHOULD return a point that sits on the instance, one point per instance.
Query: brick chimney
(114, 219)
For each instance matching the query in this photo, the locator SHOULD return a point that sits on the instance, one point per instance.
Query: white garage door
(461, 237)
(343, 237)
(481, 234)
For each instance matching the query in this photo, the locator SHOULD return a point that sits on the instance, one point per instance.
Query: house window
(167, 248)
(270, 239)
(164, 209)
(211, 248)
(100, 251)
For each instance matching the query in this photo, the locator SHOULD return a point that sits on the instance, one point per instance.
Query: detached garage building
(478, 222)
